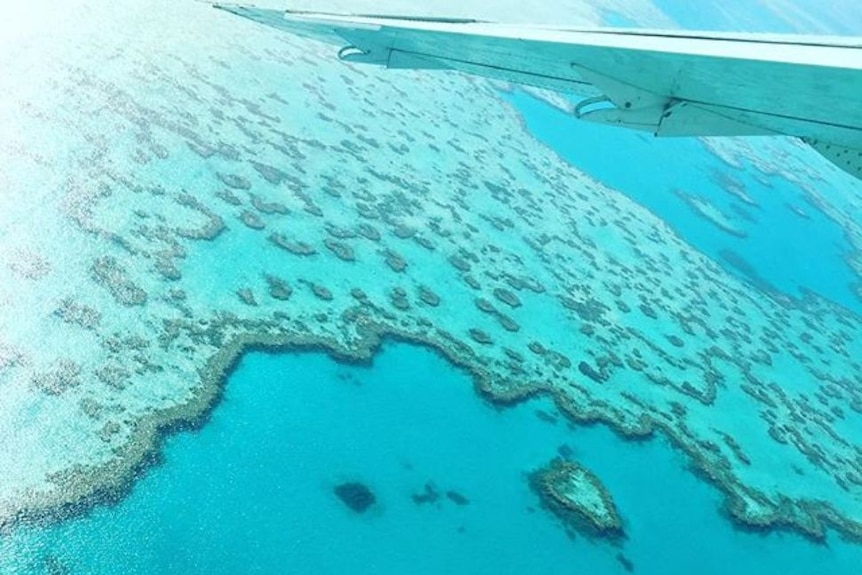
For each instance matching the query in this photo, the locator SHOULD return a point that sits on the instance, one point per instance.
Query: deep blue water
(787, 252)
(252, 491)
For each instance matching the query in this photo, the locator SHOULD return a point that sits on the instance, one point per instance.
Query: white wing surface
(667, 83)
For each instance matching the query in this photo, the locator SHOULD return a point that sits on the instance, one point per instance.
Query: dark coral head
(357, 496)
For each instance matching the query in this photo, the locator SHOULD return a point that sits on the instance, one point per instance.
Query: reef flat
(710, 213)
(175, 197)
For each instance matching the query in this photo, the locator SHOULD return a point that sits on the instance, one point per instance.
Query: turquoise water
(252, 491)
(777, 248)
(193, 106)
(796, 16)
(708, 16)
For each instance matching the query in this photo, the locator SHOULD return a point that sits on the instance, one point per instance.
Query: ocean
(265, 312)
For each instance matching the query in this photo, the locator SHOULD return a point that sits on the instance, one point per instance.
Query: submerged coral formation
(578, 498)
(355, 495)
(221, 191)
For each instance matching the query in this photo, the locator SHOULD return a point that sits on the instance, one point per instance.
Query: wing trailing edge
(668, 83)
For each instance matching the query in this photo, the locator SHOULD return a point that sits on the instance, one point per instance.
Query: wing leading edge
(666, 83)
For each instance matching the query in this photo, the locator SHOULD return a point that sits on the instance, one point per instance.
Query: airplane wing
(666, 83)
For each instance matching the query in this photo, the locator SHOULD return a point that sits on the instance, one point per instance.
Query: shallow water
(252, 491)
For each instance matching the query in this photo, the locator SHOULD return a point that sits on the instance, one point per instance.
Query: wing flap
(848, 159)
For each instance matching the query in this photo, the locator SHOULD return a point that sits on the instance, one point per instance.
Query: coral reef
(355, 495)
(578, 498)
(124, 321)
